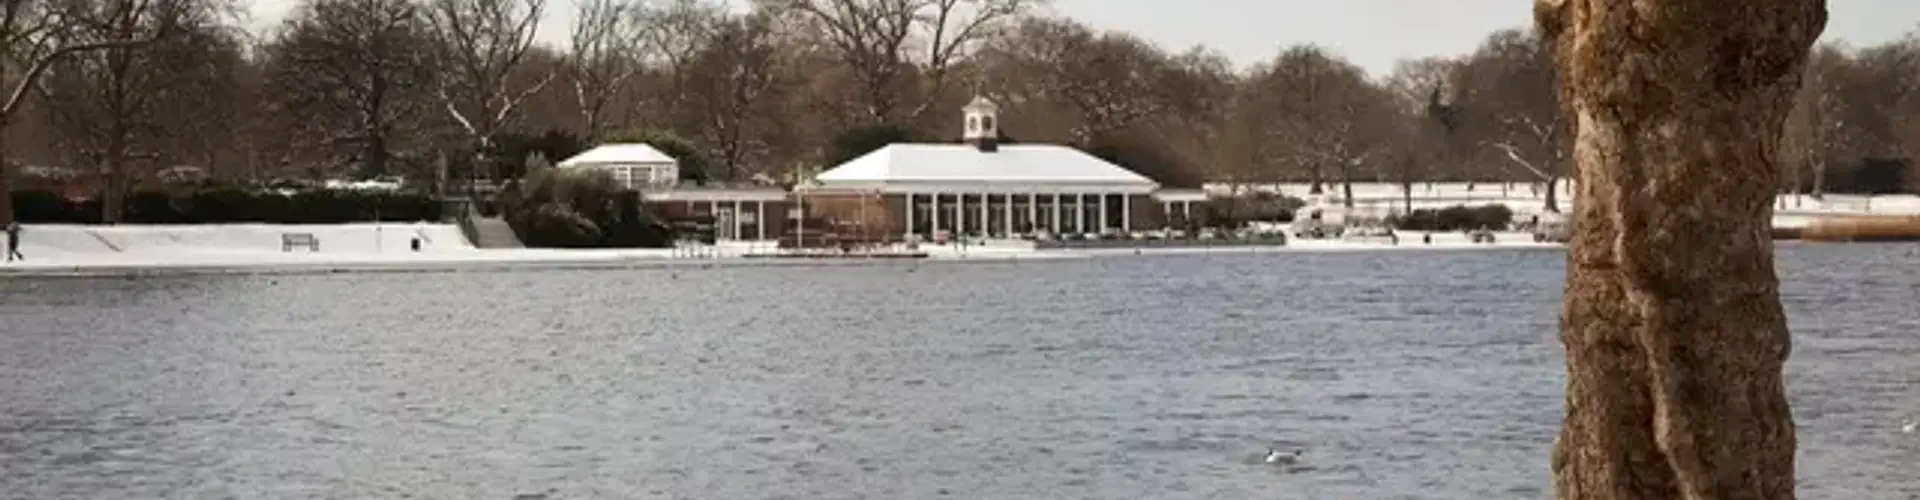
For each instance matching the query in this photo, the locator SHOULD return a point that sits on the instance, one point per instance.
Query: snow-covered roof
(1013, 167)
(627, 153)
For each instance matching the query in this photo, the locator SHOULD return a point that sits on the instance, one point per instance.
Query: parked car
(1320, 221)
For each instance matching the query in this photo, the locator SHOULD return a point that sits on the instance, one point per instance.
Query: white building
(634, 166)
(985, 188)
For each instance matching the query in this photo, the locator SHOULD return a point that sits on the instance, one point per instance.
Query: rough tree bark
(1672, 320)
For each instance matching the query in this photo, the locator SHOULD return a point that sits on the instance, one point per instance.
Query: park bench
(290, 240)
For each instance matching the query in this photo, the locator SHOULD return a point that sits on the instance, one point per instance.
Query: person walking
(13, 242)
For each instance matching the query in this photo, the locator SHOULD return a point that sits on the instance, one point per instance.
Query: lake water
(1401, 375)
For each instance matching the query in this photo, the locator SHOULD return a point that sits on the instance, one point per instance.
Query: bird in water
(1276, 458)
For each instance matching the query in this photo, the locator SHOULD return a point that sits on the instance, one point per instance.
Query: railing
(685, 249)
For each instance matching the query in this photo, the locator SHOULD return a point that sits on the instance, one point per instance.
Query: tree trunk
(113, 190)
(1672, 320)
(1819, 180)
(1553, 198)
(375, 153)
(1406, 195)
(1346, 184)
(1794, 173)
(6, 175)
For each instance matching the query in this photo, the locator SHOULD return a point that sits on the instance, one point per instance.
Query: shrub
(1257, 206)
(216, 205)
(555, 225)
(1455, 218)
(562, 208)
(48, 207)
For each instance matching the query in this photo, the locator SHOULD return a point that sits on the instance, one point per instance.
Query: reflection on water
(1431, 375)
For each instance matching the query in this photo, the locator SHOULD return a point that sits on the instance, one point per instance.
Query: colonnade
(1008, 215)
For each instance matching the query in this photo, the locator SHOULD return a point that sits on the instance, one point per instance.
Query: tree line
(123, 90)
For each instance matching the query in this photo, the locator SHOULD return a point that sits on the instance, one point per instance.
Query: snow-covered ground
(71, 249)
(1529, 199)
(342, 246)
(133, 248)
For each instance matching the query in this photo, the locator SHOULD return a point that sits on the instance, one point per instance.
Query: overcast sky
(1373, 33)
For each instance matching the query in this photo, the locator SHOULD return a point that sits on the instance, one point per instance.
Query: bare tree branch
(1513, 153)
(482, 43)
(40, 66)
(873, 37)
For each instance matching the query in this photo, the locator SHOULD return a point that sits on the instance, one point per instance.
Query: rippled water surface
(1401, 375)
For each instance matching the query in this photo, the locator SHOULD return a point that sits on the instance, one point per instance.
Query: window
(973, 124)
(986, 124)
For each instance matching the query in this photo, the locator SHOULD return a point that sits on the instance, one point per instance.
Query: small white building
(634, 166)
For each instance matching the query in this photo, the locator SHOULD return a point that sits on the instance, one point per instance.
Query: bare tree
(1879, 91)
(739, 79)
(1422, 93)
(203, 110)
(1673, 326)
(673, 34)
(481, 45)
(606, 40)
(1200, 89)
(35, 34)
(1112, 81)
(1418, 82)
(351, 76)
(1816, 130)
(1882, 81)
(1322, 109)
(106, 103)
(894, 45)
(1107, 82)
(1510, 99)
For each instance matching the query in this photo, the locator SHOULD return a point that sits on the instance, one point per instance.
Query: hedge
(1455, 218)
(557, 208)
(232, 205)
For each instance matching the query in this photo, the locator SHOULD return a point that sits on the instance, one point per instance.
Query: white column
(1033, 212)
(1126, 214)
(739, 223)
(933, 211)
(959, 214)
(1104, 214)
(713, 210)
(1007, 230)
(909, 232)
(1056, 215)
(1080, 213)
(760, 215)
(986, 218)
(1186, 210)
